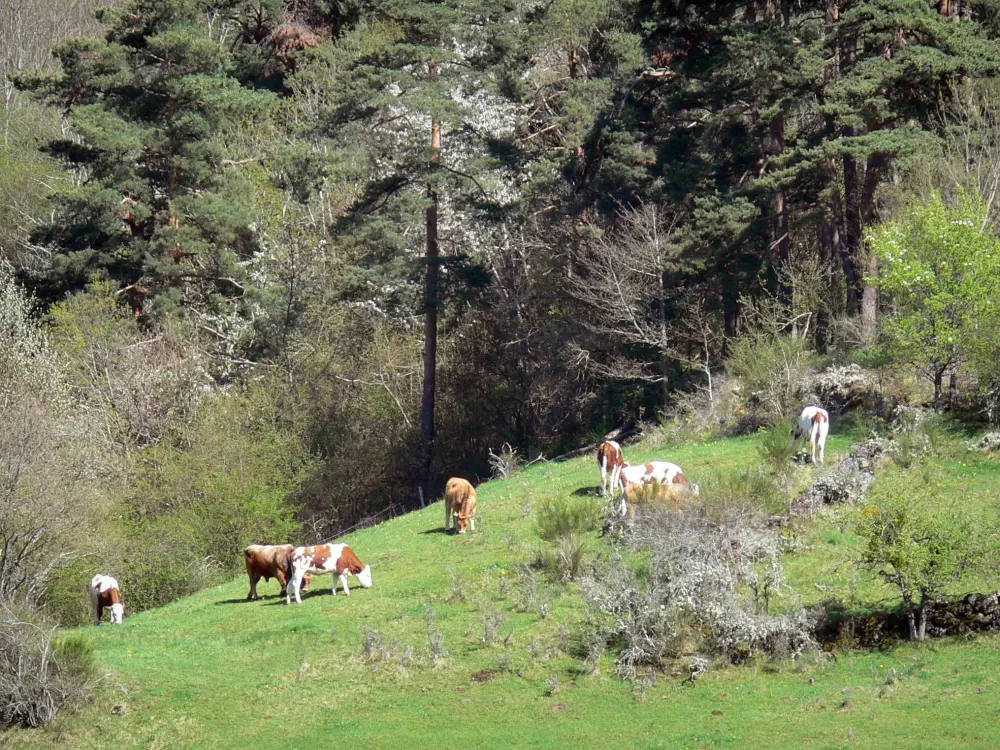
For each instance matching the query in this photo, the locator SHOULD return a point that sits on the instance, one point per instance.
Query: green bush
(777, 448)
(563, 523)
(754, 489)
(770, 368)
(224, 482)
(921, 540)
(559, 517)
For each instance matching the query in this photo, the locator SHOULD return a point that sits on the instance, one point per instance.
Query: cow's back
(458, 491)
(609, 454)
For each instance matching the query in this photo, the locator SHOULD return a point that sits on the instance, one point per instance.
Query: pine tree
(155, 209)
(404, 88)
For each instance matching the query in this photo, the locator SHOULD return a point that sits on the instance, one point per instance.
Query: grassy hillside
(214, 670)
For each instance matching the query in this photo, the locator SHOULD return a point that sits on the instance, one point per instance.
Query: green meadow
(214, 670)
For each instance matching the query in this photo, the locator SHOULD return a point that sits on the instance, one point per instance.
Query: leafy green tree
(920, 542)
(939, 268)
(156, 211)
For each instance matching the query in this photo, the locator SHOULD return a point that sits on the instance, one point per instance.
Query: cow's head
(365, 576)
(117, 612)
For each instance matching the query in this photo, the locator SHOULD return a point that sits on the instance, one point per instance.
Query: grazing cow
(673, 496)
(814, 422)
(269, 561)
(104, 594)
(325, 558)
(662, 472)
(460, 501)
(609, 458)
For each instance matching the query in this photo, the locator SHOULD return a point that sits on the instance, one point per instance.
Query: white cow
(104, 594)
(814, 422)
(325, 558)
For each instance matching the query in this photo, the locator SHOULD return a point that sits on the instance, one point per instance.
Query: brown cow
(672, 496)
(269, 561)
(460, 501)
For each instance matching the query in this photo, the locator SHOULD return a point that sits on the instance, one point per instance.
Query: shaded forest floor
(213, 670)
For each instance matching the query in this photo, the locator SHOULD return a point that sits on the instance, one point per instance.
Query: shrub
(563, 523)
(38, 678)
(223, 482)
(493, 622)
(751, 491)
(777, 448)
(560, 517)
(839, 388)
(770, 368)
(505, 464)
(921, 542)
(707, 582)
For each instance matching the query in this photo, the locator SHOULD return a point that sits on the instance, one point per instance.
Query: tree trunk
(427, 427)
(851, 232)
(877, 162)
(828, 241)
(922, 628)
(730, 304)
(952, 391)
(781, 243)
(938, 389)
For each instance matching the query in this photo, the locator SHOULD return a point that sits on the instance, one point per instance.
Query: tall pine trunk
(782, 241)
(427, 427)
(850, 234)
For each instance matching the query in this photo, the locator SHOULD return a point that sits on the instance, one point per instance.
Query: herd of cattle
(294, 567)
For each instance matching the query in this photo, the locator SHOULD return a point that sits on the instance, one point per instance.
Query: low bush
(556, 518)
(563, 523)
(707, 582)
(777, 447)
(39, 678)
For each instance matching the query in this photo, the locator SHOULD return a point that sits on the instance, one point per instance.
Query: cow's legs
(472, 522)
(253, 587)
(293, 585)
(447, 513)
(282, 581)
(343, 582)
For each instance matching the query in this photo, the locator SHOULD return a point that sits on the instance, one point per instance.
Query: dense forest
(272, 267)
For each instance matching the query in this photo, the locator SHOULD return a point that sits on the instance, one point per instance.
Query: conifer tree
(155, 209)
(404, 92)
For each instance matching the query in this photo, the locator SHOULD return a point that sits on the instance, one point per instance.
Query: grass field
(214, 670)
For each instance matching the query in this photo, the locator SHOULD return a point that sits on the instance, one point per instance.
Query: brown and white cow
(269, 561)
(659, 472)
(104, 594)
(814, 422)
(461, 502)
(325, 558)
(609, 458)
